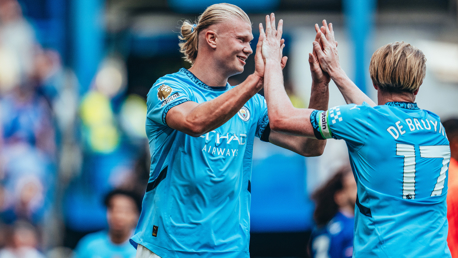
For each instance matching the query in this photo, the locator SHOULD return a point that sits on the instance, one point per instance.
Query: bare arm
(318, 100)
(197, 119)
(290, 124)
(326, 51)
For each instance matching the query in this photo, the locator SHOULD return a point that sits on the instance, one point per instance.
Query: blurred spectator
(26, 118)
(22, 243)
(28, 181)
(17, 35)
(122, 214)
(334, 216)
(451, 128)
(48, 75)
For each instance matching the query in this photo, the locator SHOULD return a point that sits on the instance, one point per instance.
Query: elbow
(195, 130)
(280, 120)
(314, 151)
(276, 123)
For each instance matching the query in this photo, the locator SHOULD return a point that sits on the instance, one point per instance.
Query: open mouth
(242, 59)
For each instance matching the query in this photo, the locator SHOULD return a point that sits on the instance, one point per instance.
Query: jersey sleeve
(262, 126)
(347, 122)
(162, 97)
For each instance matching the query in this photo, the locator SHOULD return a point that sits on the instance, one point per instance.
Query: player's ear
(375, 86)
(416, 92)
(210, 38)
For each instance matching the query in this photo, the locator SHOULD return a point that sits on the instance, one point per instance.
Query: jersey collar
(199, 83)
(406, 105)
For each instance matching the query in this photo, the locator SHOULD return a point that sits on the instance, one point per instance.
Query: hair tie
(193, 27)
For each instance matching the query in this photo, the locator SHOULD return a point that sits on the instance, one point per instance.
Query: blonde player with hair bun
(201, 132)
(213, 15)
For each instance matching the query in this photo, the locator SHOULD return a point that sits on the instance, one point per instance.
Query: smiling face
(233, 38)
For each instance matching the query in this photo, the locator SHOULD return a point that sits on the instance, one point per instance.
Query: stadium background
(73, 79)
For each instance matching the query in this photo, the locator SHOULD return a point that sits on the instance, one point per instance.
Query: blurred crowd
(60, 153)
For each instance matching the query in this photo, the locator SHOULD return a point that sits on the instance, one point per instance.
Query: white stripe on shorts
(143, 252)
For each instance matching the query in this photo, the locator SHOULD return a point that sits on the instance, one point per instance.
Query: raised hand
(258, 58)
(325, 48)
(272, 47)
(328, 31)
(318, 75)
(325, 52)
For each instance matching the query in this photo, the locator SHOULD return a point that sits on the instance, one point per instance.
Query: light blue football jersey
(399, 155)
(99, 245)
(199, 192)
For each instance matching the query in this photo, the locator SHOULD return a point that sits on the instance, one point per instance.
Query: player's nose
(248, 50)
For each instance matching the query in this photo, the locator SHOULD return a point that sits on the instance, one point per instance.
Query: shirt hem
(165, 253)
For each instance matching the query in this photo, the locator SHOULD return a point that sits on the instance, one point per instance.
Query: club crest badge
(163, 92)
(244, 113)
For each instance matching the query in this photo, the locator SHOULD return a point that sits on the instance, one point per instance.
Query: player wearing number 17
(398, 152)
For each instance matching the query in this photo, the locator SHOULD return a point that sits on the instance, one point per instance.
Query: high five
(401, 209)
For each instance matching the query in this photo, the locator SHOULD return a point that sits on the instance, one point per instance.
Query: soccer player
(201, 132)
(334, 216)
(123, 208)
(398, 152)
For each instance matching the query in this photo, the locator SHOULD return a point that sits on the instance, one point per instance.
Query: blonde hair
(398, 67)
(214, 14)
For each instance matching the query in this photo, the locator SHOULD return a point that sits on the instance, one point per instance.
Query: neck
(119, 237)
(209, 72)
(385, 97)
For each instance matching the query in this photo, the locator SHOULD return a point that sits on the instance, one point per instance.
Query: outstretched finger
(318, 38)
(323, 31)
(262, 36)
(280, 29)
(272, 21)
(268, 26)
(331, 37)
(328, 32)
(318, 51)
(331, 28)
(325, 42)
(313, 62)
(317, 28)
(325, 24)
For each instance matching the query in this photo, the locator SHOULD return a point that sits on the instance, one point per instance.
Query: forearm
(212, 114)
(304, 146)
(319, 97)
(283, 116)
(350, 92)
(278, 102)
